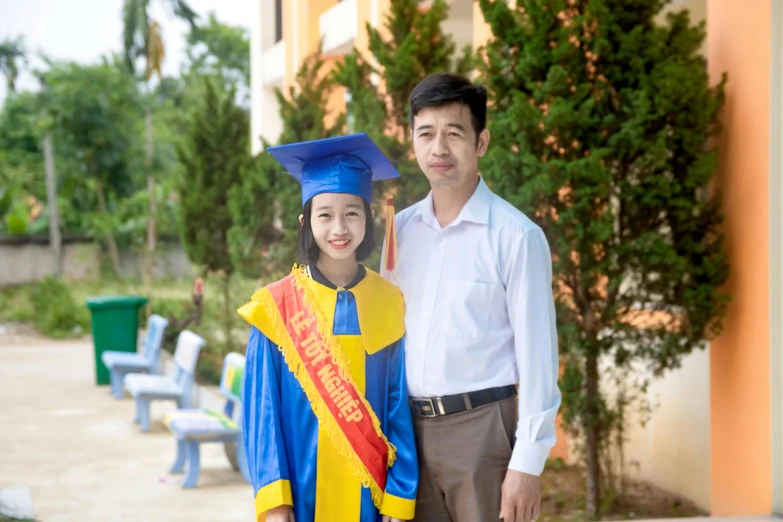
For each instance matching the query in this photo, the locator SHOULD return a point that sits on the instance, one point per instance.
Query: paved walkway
(83, 459)
(81, 455)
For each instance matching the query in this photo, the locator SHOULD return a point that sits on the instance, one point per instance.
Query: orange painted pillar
(741, 469)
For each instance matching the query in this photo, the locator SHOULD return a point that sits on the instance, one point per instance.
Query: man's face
(444, 142)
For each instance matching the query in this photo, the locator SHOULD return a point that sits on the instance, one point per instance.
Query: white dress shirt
(480, 312)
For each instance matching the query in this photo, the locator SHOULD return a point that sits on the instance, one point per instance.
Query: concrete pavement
(84, 459)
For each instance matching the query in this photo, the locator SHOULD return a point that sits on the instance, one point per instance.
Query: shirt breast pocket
(467, 308)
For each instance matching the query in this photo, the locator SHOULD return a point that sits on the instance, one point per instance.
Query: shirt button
(339, 297)
(426, 313)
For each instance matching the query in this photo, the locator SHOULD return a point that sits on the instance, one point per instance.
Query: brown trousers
(463, 460)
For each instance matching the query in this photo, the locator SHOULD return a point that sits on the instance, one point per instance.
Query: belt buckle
(428, 408)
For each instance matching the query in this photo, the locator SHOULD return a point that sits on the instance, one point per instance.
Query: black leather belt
(438, 406)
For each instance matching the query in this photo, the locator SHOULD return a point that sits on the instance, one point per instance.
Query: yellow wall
(741, 475)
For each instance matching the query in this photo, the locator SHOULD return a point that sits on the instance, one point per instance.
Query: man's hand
(280, 514)
(387, 518)
(520, 499)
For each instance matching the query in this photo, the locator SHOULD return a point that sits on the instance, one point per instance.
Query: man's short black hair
(440, 89)
(308, 251)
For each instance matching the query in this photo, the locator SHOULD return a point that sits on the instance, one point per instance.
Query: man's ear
(483, 142)
(301, 220)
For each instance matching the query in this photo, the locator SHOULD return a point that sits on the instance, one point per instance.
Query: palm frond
(183, 11)
(143, 37)
(135, 30)
(12, 51)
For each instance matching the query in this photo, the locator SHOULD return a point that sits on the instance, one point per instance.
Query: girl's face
(338, 222)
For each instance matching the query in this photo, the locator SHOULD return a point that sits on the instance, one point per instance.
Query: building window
(278, 20)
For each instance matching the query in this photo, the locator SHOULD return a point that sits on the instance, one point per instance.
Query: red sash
(320, 366)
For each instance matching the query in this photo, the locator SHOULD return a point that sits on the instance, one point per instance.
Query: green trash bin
(115, 326)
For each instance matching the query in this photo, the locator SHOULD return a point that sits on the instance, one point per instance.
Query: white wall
(271, 123)
(82, 261)
(672, 451)
(461, 29)
(265, 118)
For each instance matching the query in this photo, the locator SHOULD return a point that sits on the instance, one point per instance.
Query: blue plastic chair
(175, 387)
(121, 363)
(193, 427)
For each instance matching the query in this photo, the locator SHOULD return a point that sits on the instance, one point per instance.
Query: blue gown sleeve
(261, 425)
(402, 480)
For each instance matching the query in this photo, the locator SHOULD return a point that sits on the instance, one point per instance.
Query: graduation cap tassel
(390, 257)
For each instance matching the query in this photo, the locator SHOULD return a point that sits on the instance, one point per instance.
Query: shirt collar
(476, 210)
(318, 277)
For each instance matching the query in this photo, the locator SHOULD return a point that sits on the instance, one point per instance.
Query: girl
(326, 418)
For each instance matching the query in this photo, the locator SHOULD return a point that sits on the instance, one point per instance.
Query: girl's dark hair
(441, 89)
(308, 251)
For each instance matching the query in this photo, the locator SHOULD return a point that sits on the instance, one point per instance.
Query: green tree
(97, 112)
(601, 123)
(12, 51)
(416, 47)
(254, 236)
(215, 152)
(21, 160)
(143, 38)
(168, 103)
(215, 48)
(19, 151)
(267, 203)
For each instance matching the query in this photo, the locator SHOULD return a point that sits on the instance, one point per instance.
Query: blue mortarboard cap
(345, 164)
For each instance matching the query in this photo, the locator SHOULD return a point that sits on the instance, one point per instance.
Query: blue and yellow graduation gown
(292, 460)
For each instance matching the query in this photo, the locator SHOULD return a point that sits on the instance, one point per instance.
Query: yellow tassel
(390, 248)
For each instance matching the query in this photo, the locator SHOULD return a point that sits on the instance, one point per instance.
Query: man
(476, 276)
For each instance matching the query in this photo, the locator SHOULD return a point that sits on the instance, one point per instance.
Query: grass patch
(15, 305)
(56, 313)
(48, 305)
(58, 309)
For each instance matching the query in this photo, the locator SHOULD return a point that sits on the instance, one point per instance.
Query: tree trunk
(592, 505)
(114, 252)
(55, 239)
(150, 252)
(228, 313)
